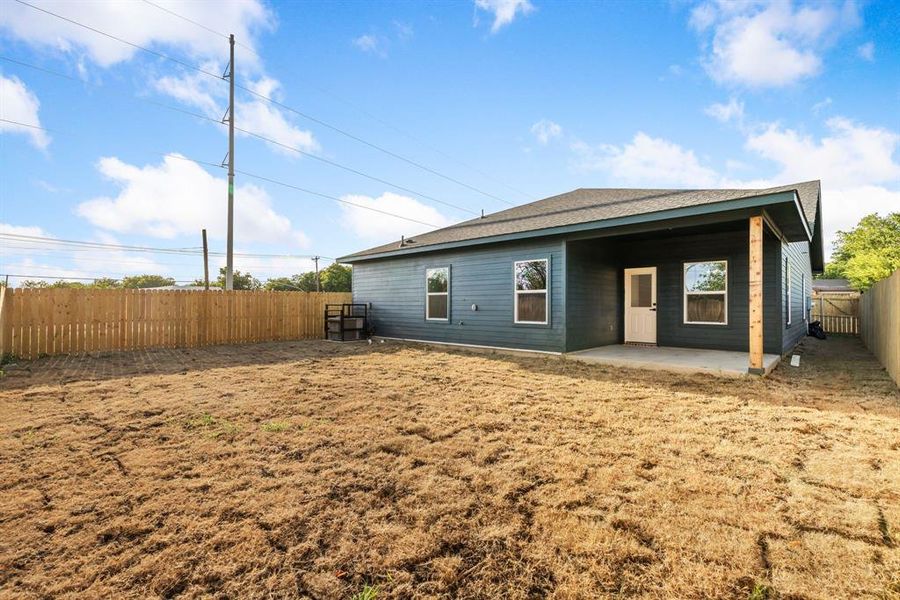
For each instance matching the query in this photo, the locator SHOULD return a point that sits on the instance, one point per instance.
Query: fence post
(4, 321)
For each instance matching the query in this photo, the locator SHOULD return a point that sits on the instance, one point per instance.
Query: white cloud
(146, 25)
(855, 163)
(372, 44)
(267, 120)
(18, 103)
(545, 130)
(41, 258)
(844, 207)
(268, 267)
(404, 31)
(867, 51)
(849, 155)
(376, 227)
(179, 197)
(30, 230)
(821, 105)
(726, 113)
(252, 113)
(504, 11)
(646, 161)
(139, 23)
(768, 44)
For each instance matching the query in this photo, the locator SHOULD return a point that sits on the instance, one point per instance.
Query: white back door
(640, 305)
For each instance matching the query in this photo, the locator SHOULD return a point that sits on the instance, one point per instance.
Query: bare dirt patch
(314, 470)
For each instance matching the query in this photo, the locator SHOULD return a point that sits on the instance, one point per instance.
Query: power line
(266, 139)
(120, 40)
(313, 193)
(78, 278)
(370, 144)
(201, 26)
(355, 171)
(279, 265)
(276, 182)
(111, 91)
(107, 246)
(353, 105)
(335, 198)
(276, 103)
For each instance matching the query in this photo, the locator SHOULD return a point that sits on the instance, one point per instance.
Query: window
(531, 291)
(706, 292)
(437, 294)
(787, 292)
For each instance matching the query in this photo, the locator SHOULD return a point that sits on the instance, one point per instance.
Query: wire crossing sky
(359, 123)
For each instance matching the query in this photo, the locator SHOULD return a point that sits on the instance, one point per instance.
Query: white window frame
(787, 291)
(685, 293)
(429, 294)
(545, 291)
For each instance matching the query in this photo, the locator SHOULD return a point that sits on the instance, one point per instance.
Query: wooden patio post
(756, 295)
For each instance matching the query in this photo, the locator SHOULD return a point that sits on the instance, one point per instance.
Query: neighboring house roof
(832, 285)
(590, 205)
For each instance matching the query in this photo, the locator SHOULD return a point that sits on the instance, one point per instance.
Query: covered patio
(727, 363)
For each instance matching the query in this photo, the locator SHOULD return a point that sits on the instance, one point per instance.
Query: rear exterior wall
(480, 276)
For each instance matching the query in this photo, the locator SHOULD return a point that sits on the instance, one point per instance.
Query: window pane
(532, 307)
(706, 308)
(437, 279)
(531, 275)
(705, 277)
(437, 307)
(641, 290)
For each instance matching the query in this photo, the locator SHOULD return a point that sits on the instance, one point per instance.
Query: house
(832, 286)
(726, 269)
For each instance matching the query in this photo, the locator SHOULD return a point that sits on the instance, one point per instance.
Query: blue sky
(515, 99)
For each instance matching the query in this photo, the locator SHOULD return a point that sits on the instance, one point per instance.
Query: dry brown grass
(311, 470)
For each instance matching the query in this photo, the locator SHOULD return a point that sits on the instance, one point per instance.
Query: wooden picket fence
(838, 311)
(880, 318)
(39, 322)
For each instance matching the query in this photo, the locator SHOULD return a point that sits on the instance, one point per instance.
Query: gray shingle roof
(832, 285)
(586, 205)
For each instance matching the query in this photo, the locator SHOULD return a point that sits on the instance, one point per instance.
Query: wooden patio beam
(756, 295)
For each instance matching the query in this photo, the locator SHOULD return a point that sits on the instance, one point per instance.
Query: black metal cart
(346, 322)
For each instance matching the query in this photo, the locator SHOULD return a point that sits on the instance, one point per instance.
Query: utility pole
(229, 246)
(205, 263)
(316, 260)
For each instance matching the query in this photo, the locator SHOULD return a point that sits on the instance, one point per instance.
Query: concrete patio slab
(679, 360)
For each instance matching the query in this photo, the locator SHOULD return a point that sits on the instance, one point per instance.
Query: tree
(61, 283)
(867, 253)
(240, 281)
(35, 284)
(107, 283)
(281, 284)
(336, 278)
(146, 281)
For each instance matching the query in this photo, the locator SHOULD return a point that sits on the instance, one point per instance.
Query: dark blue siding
(593, 290)
(586, 296)
(797, 254)
(482, 276)
(595, 295)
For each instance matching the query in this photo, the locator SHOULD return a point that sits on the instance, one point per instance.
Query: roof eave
(685, 211)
